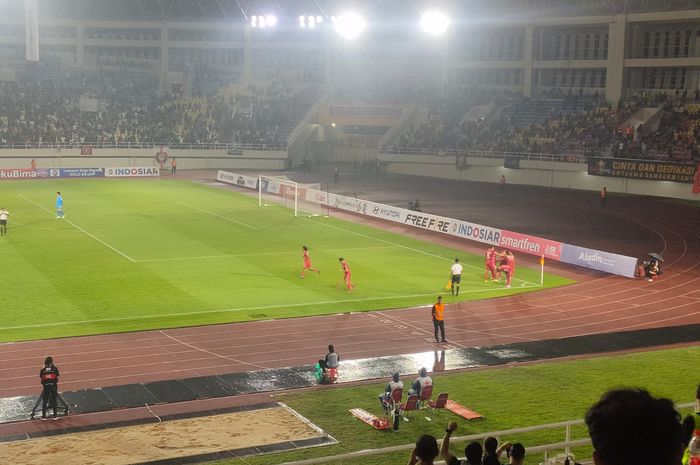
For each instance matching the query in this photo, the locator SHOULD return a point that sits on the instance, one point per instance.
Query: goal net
(303, 199)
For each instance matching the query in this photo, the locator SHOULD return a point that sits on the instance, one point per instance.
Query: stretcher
(372, 420)
(462, 411)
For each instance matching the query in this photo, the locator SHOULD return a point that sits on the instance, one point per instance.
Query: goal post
(303, 199)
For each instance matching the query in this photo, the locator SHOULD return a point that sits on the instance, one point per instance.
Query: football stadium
(350, 232)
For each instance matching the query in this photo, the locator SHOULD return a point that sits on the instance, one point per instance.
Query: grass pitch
(145, 254)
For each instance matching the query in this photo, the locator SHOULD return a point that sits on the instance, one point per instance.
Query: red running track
(596, 304)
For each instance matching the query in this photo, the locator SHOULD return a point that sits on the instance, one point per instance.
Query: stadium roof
(240, 10)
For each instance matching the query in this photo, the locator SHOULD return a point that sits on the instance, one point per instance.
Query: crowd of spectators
(626, 427)
(675, 137)
(67, 107)
(570, 124)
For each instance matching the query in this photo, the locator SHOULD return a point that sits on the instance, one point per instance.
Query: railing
(546, 448)
(572, 156)
(143, 145)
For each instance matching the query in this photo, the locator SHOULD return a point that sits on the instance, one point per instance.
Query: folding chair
(411, 404)
(333, 375)
(425, 394)
(440, 402)
(394, 401)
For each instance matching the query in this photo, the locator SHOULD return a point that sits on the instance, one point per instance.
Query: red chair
(440, 402)
(333, 375)
(425, 394)
(411, 404)
(394, 401)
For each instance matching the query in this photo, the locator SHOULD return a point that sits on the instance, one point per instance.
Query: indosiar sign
(642, 169)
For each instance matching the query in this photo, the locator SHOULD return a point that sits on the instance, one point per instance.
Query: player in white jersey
(456, 276)
(3, 221)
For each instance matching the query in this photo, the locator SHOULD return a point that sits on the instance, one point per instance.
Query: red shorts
(505, 268)
(491, 266)
(307, 264)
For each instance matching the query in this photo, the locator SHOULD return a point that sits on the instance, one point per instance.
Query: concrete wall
(187, 159)
(534, 173)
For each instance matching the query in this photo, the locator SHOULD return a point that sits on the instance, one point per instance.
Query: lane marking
(114, 249)
(199, 349)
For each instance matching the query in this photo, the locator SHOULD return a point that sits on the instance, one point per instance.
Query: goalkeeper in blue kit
(59, 206)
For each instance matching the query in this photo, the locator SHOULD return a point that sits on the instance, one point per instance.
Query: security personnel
(438, 313)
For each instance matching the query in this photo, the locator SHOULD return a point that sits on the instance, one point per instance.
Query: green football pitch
(145, 254)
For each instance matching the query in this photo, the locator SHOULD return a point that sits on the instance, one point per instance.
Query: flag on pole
(31, 29)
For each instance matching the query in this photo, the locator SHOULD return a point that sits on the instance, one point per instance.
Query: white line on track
(225, 218)
(230, 310)
(199, 349)
(114, 249)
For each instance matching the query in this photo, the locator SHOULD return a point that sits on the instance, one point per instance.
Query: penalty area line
(263, 254)
(225, 218)
(232, 310)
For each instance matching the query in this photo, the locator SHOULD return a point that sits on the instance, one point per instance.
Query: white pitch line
(83, 231)
(225, 218)
(286, 252)
(231, 310)
(415, 250)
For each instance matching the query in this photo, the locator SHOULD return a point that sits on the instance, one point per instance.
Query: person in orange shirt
(438, 313)
(307, 263)
(173, 166)
(346, 274)
(33, 164)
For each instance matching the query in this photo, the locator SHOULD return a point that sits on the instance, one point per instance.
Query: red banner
(532, 245)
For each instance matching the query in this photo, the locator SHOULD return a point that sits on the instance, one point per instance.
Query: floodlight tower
(434, 23)
(349, 25)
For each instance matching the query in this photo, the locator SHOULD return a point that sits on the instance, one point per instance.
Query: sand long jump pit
(273, 428)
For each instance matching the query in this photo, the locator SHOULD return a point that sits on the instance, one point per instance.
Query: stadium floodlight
(260, 21)
(350, 25)
(434, 23)
(310, 21)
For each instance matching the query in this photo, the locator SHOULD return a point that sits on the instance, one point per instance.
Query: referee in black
(49, 396)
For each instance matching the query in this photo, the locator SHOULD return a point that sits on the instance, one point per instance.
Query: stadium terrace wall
(532, 245)
(187, 159)
(532, 173)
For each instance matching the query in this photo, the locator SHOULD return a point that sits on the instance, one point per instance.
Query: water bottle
(694, 449)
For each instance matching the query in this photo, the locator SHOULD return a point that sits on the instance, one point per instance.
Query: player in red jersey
(490, 264)
(509, 267)
(307, 263)
(502, 261)
(346, 274)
